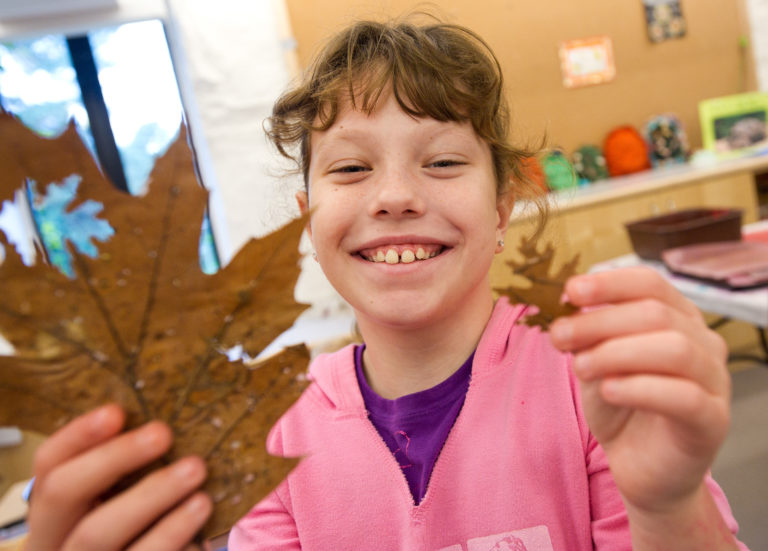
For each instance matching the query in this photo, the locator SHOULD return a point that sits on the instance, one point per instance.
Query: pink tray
(733, 264)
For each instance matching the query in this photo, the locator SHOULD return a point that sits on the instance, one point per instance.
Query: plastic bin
(650, 236)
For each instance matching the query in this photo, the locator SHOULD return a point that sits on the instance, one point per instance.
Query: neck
(403, 360)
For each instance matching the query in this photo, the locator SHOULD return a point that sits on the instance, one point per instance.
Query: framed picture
(587, 61)
(664, 19)
(735, 123)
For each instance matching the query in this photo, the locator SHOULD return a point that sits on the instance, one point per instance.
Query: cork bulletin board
(651, 78)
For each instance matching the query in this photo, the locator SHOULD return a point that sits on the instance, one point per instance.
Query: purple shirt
(415, 426)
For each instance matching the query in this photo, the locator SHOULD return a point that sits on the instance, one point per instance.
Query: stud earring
(501, 243)
(314, 255)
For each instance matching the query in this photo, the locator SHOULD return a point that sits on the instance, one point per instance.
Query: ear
(504, 204)
(302, 199)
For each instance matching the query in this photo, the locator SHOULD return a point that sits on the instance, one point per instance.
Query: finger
(589, 328)
(667, 353)
(79, 435)
(626, 285)
(67, 492)
(178, 527)
(605, 420)
(703, 418)
(133, 511)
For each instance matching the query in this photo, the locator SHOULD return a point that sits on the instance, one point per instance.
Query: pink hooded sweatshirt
(519, 470)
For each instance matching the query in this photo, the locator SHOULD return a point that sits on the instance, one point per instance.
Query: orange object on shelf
(625, 151)
(533, 170)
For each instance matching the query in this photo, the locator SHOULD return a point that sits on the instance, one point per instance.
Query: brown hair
(438, 70)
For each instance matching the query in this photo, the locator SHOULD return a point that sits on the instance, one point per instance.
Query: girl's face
(405, 218)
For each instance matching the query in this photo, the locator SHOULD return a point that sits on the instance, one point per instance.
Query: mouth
(402, 254)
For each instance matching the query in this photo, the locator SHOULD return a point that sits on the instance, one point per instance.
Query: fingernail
(197, 504)
(610, 388)
(150, 435)
(100, 416)
(187, 468)
(581, 364)
(101, 422)
(582, 287)
(562, 331)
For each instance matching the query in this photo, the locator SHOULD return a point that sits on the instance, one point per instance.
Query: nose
(397, 194)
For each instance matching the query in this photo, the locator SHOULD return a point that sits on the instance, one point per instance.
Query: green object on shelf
(589, 164)
(559, 171)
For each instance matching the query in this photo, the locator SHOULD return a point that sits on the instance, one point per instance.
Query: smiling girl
(453, 426)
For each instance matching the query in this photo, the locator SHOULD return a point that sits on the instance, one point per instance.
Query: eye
(349, 169)
(445, 163)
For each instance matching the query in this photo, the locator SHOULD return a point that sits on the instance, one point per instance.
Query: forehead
(389, 120)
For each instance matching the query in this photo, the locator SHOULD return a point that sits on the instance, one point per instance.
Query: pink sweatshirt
(519, 470)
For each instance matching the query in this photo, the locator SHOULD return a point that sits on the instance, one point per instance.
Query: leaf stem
(130, 358)
(155, 275)
(99, 301)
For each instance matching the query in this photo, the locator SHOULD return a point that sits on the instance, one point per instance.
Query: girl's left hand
(655, 387)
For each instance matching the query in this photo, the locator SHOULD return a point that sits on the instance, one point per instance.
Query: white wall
(237, 67)
(239, 56)
(757, 11)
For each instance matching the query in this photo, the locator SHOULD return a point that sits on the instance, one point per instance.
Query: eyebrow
(434, 129)
(353, 137)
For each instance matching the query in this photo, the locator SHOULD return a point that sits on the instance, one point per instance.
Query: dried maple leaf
(140, 324)
(543, 289)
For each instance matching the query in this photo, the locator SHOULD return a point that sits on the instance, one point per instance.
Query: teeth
(391, 256)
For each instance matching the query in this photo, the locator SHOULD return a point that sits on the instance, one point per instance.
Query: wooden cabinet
(590, 222)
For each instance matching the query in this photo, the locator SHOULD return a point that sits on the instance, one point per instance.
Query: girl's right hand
(83, 460)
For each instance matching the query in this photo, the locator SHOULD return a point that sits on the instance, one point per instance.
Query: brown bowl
(651, 236)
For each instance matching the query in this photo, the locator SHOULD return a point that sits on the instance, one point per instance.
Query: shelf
(647, 181)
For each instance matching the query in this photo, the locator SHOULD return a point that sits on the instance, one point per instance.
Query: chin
(401, 314)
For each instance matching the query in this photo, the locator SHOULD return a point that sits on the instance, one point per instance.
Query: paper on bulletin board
(664, 19)
(587, 61)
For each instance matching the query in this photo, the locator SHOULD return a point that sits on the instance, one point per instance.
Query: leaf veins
(141, 325)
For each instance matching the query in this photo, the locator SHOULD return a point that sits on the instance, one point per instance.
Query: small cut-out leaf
(79, 226)
(541, 288)
(140, 324)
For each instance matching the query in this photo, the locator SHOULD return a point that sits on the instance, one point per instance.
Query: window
(118, 85)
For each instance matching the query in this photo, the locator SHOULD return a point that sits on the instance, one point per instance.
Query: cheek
(319, 230)
(329, 224)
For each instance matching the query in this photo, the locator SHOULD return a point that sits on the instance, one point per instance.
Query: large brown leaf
(143, 326)
(541, 287)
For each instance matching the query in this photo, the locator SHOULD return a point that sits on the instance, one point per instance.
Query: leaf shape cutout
(140, 324)
(544, 289)
(79, 226)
